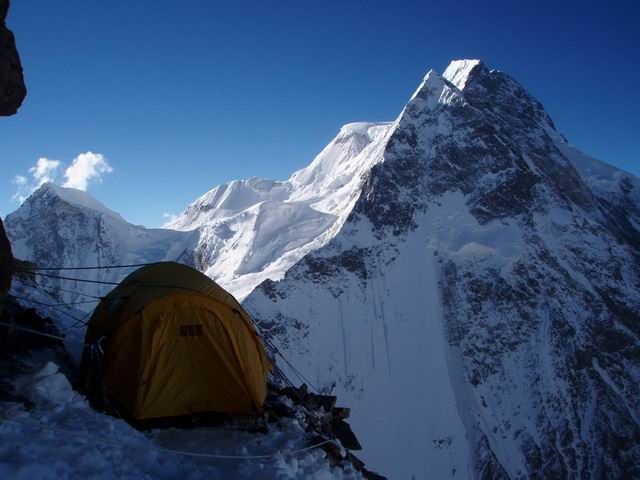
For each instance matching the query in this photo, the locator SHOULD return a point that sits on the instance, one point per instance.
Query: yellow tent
(173, 342)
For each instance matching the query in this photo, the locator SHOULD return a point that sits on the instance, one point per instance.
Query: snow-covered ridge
(603, 178)
(229, 199)
(253, 230)
(240, 233)
(78, 198)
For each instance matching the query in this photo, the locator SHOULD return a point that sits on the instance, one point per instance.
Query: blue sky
(180, 96)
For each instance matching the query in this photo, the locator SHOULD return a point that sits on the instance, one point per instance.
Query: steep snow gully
(462, 278)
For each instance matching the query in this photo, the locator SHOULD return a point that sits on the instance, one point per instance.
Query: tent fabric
(176, 343)
(148, 283)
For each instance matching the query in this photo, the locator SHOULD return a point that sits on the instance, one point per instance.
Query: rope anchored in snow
(60, 277)
(13, 326)
(103, 282)
(60, 289)
(78, 321)
(113, 443)
(277, 351)
(55, 304)
(97, 267)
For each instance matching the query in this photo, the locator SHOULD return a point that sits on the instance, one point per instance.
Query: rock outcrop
(12, 87)
(12, 93)
(6, 261)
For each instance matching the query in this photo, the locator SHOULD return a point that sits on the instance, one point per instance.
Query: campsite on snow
(451, 293)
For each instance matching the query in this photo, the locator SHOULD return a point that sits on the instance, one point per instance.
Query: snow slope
(62, 437)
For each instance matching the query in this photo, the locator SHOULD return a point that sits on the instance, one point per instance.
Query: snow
(71, 234)
(48, 385)
(229, 199)
(360, 128)
(239, 234)
(473, 248)
(429, 90)
(80, 198)
(253, 230)
(263, 240)
(63, 438)
(385, 346)
(458, 71)
(603, 178)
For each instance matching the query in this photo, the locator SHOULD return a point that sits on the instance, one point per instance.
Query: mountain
(478, 307)
(240, 233)
(65, 227)
(462, 277)
(255, 229)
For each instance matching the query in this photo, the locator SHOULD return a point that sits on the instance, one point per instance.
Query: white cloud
(169, 219)
(24, 189)
(85, 168)
(20, 180)
(45, 170)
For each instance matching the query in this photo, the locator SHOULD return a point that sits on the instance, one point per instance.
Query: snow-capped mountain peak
(483, 287)
(458, 71)
(72, 196)
(338, 165)
(493, 90)
(430, 90)
(66, 227)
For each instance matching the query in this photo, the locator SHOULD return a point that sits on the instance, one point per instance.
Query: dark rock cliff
(12, 87)
(12, 93)
(6, 261)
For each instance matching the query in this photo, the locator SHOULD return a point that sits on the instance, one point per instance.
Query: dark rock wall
(12, 87)
(6, 261)
(12, 93)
